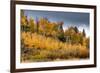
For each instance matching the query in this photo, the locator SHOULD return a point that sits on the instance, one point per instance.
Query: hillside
(43, 40)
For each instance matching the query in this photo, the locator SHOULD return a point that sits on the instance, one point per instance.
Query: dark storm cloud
(69, 18)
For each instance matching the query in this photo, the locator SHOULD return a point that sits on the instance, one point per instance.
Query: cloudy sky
(81, 20)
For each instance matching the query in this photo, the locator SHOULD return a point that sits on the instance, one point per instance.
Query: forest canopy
(43, 40)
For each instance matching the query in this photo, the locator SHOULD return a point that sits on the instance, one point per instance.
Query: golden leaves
(34, 40)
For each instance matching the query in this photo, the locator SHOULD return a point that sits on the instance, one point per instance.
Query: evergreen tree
(76, 29)
(31, 24)
(22, 13)
(84, 34)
